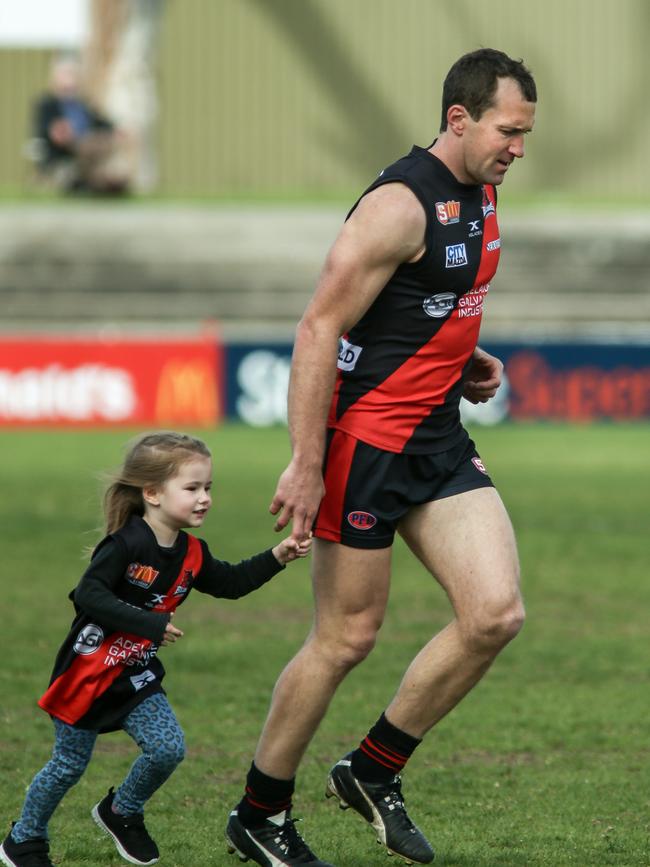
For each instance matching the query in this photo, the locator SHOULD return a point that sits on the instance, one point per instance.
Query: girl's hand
(290, 549)
(171, 635)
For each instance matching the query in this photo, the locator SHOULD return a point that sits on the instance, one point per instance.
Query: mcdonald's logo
(187, 392)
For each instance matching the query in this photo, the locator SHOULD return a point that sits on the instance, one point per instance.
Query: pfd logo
(89, 640)
(361, 520)
(456, 256)
(439, 305)
(448, 212)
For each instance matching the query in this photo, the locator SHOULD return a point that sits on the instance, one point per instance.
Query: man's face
(491, 143)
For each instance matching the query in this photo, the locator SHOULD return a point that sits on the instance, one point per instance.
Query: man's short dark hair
(472, 82)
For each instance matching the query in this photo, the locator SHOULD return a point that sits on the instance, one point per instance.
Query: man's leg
(351, 591)
(467, 542)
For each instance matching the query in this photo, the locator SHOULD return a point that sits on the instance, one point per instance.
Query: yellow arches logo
(187, 392)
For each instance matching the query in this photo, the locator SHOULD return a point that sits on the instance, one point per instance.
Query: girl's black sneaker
(31, 853)
(128, 832)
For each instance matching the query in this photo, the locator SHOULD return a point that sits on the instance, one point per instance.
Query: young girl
(107, 674)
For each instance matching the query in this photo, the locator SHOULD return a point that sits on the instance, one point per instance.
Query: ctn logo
(361, 520)
(89, 640)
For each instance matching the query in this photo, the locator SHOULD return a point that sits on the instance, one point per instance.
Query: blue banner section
(556, 381)
(257, 377)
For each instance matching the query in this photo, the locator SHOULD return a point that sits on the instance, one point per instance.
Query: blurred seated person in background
(78, 149)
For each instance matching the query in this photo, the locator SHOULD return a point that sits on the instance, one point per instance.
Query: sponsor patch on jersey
(493, 245)
(139, 681)
(456, 256)
(361, 520)
(487, 206)
(184, 586)
(478, 463)
(448, 212)
(475, 229)
(348, 355)
(89, 640)
(141, 576)
(439, 305)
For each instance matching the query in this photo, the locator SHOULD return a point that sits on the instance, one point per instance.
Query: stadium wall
(311, 98)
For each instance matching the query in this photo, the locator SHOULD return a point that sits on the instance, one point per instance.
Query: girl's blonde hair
(150, 461)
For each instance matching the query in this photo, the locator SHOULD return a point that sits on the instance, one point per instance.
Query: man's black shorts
(368, 491)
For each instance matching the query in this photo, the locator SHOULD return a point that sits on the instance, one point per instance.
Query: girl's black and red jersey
(400, 368)
(108, 662)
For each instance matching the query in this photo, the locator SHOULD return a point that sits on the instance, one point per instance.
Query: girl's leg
(72, 751)
(155, 729)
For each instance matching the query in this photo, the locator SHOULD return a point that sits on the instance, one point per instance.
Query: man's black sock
(382, 753)
(264, 797)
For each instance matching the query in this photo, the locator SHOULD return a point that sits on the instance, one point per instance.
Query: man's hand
(483, 377)
(297, 498)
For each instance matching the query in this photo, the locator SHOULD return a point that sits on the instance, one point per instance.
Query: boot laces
(290, 842)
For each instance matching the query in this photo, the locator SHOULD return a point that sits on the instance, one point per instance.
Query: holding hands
(290, 549)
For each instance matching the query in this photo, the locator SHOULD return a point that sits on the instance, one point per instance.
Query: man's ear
(151, 496)
(457, 118)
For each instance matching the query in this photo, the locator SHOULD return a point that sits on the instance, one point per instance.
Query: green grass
(545, 763)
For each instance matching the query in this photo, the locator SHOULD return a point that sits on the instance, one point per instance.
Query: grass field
(545, 763)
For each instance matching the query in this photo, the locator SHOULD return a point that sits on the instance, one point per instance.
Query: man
(79, 149)
(378, 447)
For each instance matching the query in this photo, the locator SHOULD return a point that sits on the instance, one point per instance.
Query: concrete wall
(254, 269)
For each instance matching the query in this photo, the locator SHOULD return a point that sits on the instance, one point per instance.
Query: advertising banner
(575, 382)
(70, 381)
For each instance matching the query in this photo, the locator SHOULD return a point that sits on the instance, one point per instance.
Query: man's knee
(352, 644)
(493, 627)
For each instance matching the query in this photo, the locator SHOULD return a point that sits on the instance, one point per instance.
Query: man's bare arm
(386, 230)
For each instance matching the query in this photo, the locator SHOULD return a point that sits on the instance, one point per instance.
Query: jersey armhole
(419, 194)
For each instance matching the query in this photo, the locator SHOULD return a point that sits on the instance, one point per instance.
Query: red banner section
(582, 393)
(71, 381)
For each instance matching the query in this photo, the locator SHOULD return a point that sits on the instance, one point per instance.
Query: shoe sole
(98, 819)
(377, 825)
(233, 850)
(5, 858)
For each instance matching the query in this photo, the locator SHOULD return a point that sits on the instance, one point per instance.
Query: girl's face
(184, 500)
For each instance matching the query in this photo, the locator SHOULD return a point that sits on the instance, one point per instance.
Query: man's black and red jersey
(108, 662)
(400, 368)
